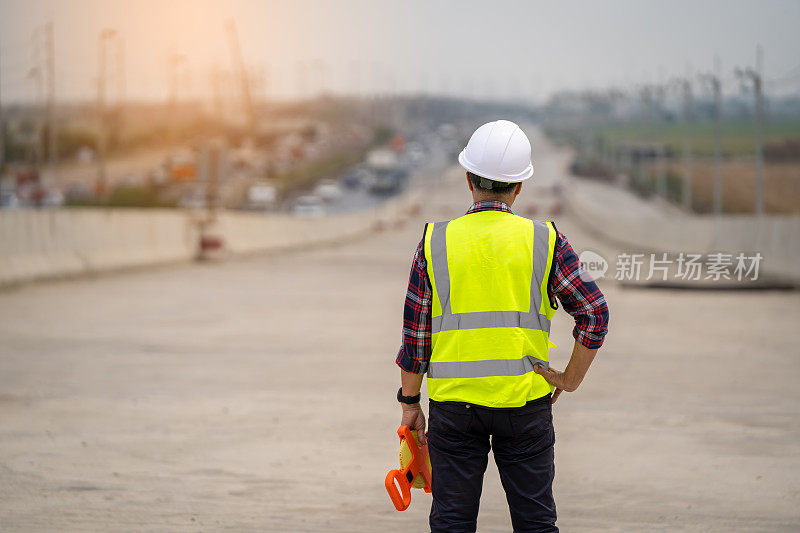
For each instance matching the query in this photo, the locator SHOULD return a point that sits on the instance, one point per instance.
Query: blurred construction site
(208, 211)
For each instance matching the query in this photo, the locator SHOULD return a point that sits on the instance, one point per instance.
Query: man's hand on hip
(571, 377)
(414, 418)
(554, 378)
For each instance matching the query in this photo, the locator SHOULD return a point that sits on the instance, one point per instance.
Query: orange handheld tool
(415, 470)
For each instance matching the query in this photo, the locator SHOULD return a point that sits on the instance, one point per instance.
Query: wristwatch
(410, 400)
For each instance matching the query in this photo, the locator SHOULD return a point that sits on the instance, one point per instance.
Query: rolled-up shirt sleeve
(415, 351)
(580, 296)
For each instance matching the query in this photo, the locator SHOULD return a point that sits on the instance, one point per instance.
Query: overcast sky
(498, 49)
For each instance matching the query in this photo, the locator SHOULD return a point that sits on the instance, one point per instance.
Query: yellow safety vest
(491, 314)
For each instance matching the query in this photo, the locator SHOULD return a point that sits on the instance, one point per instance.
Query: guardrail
(776, 237)
(40, 244)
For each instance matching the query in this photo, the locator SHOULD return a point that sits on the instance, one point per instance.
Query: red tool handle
(401, 502)
(404, 479)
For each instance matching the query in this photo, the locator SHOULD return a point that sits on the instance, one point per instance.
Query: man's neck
(507, 201)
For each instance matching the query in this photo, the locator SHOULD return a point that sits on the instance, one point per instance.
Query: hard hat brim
(464, 162)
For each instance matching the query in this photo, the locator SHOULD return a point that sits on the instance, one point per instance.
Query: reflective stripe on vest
(482, 369)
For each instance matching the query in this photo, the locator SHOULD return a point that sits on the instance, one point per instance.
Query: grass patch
(123, 196)
(738, 137)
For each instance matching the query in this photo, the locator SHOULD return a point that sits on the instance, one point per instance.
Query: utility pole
(52, 134)
(712, 79)
(241, 72)
(613, 97)
(688, 109)
(119, 74)
(660, 152)
(759, 92)
(100, 186)
(754, 76)
(648, 96)
(36, 74)
(2, 137)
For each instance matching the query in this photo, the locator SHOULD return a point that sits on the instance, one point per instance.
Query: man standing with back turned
(480, 299)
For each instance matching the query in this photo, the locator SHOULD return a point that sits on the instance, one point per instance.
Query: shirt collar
(488, 205)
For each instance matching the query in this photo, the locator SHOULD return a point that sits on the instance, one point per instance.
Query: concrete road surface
(257, 394)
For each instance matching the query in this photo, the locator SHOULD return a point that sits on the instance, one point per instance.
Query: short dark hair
(485, 184)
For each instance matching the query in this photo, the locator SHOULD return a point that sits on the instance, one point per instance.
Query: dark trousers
(459, 443)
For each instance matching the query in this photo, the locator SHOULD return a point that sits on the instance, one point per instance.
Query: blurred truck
(387, 173)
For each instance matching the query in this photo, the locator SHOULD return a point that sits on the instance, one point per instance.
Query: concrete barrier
(776, 237)
(38, 244)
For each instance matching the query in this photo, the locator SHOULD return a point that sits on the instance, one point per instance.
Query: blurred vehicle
(52, 198)
(308, 206)
(29, 189)
(381, 159)
(387, 181)
(387, 174)
(351, 179)
(356, 177)
(261, 197)
(8, 199)
(328, 190)
(182, 166)
(414, 154)
(193, 200)
(8, 194)
(84, 155)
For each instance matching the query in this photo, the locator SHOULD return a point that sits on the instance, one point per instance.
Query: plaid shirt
(581, 299)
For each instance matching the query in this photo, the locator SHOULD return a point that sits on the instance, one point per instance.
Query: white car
(261, 197)
(309, 206)
(328, 190)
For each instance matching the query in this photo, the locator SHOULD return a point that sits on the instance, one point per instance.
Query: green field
(738, 137)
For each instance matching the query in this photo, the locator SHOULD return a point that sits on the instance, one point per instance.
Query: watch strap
(410, 400)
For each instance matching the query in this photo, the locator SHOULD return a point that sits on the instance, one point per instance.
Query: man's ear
(469, 182)
(518, 188)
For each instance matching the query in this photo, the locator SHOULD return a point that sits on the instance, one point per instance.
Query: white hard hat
(499, 151)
